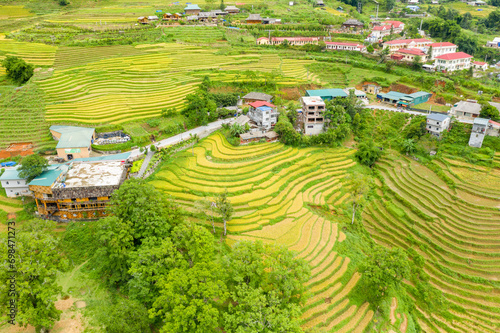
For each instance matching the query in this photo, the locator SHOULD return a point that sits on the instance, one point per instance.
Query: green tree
(370, 49)
(32, 166)
(384, 54)
(382, 270)
(408, 146)
(224, 208)
(17, 69)
(367, 153)
(416, 128)
(489, 112)
(288, 134)
(236, 129)
(190, 299)
(266, 284)
(36, 259)
(124, 316)
(389, 4)
(416, 62)
(198, 107)
(359, 185)
(63, 2)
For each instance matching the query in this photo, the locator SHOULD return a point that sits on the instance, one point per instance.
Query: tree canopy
(367, 153)
(32, 166)
(489, 112)
(18, 69)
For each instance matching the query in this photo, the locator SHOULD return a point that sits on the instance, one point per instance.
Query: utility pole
(359, 7)
(422, 20)
(376, 17)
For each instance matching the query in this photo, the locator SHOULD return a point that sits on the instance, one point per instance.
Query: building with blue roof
(192, 9)
(404, 100)
(74, 142)
(327, 94)
(14, 185)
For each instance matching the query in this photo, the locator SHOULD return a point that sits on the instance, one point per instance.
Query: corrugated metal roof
(481, 121)
(48, 177)
(192, 7)
(437, 116)
(115, 157)
(327, 93)
(420, 94)
(73, 136)
(10, 174)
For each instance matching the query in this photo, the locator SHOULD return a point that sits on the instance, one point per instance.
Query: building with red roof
(480, 65)
(261, 103)
(396, 24)
(291, 40)
(453, 61)
(409, 55)
(263, 113)
(381, 31)
(397, 44)
(341, 46)
(441, 48)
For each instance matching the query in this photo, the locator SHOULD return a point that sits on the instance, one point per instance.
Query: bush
(155, 122)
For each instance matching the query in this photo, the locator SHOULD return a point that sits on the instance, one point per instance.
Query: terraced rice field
(33, 53)
(456, 231)
(272, 188)
(136, 83)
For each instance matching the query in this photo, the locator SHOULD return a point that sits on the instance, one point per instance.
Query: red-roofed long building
(480, 65)
(291, 40)
(340, 46)
(398, 44)
(453, 61)
(442, 48)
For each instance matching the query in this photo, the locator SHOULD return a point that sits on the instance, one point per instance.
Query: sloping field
(271, 187)
(136, 83)
(456, 231)
(33, 53)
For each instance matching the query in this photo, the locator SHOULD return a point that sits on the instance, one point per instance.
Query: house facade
(192, 10)
(495, 43)
(264, 114)
(409, 55)
(254, 19)
(295, 41)
(480, 65)
(467, 110)
(14, 185)
(453, 62)
(352, 24)
(437, 124)
(371, 88)
(442, 48)
(312, 117)
(397, 44)
(478, 132)
(340, 46)
(232, 10)
(73, 141)
(80, 190)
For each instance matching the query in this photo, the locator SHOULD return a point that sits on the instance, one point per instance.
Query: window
(7, 183)
(18, 182)
(310, 126)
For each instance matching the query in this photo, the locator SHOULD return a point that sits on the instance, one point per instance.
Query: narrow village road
(144, 165)
(390, 108)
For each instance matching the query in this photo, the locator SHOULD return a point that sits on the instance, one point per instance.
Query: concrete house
(352, 23)
(467, 110)
(74, 142)
(192, 10)
(480, 65)
(264, 114)
(371, 88)
(442, 48)
(257, 96)
(409, 55)
(495, 43)
(312, 117)
(479, 128)
(437, 124)
(453, 61)
(14, 185)
(327, 94)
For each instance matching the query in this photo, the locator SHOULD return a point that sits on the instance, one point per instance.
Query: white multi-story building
(478, 132)
(437, 124)
(312, 117)
(14, 185)
(297, 41)
(441, 48)
(264, 114)
(453, 62)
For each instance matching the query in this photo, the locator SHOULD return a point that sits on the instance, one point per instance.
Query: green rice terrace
(278, 192)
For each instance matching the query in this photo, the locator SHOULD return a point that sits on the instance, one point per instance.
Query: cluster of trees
(202, 105)
(17, 69)
(185, 279)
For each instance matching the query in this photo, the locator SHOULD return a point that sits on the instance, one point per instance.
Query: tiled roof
(442, 44)
(411, 51)
(395, 24)
(345, 44)
(454, 56)
(258, 104)
(408, 41)
(295, 39)
(480, 63)
(382, 27)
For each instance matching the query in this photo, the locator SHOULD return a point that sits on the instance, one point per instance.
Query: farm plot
(272, 188)
(459, 238)
(137, 86)
(33, 53)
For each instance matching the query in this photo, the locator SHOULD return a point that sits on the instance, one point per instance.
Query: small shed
(143, 20)
(254, 19)
(232, 9)
(192, 9)
(371, 88)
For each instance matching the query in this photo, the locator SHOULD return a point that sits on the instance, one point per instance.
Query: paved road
(390, 108)
(201, 132)
(145, 164)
